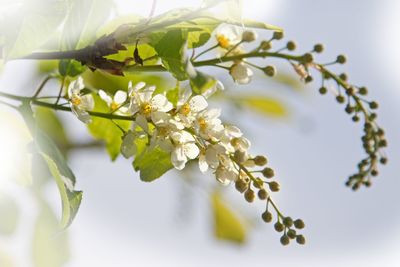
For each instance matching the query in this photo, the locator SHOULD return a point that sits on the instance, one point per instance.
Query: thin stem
(41, 86)
(205, 51)
(60, 91)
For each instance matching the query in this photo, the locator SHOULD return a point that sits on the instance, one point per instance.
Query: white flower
(188, 107)
(208, 125)
(226, 175)
(117, 102)
(165, 126)
(184, 149)
(143, 101)
(79, 103)
(211, 156)
(240, 73)
(232, 138)
(228, 36)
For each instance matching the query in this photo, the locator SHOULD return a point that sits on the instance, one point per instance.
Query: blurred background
(313, 147)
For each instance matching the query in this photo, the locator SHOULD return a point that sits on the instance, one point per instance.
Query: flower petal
(191, 150)
(120, 97)
(161, 103)
(105, 97)
(198, 103)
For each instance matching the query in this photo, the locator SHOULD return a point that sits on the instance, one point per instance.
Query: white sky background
(123, 222)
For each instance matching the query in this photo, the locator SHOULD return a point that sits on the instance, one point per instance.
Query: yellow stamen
(145, 109)
(163, 131)
(76, 101)
(185, 110)
(114, 106)
(203, 124)
(235, 142)
(223, 41)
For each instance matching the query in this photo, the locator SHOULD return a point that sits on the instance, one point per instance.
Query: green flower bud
(267, 216)
(249, 195)
(279, 227)
(343, 76)
(268, 172)
(323, 90)
(285, 240)
(262, 194)
(260, 160)
(373, 105)
(363, 91)
(241, 185)
(382, 143)
(308, 79)
(300, 240)
(355, 118)
(291, 45)
(319, 48)
(340, 99)
(273, 186)
(299, 224)
(349, 109)
(249, 36)
(341, 59)
(383, 161)
(288, 222)
(291, 233)
(278, 35)
(265, 45)
(308, 58)
(269, 71)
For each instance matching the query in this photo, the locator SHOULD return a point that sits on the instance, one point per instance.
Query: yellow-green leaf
(50, 246)
(264, 105)
(227, 225)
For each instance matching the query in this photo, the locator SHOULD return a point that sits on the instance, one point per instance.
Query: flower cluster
(190, 130)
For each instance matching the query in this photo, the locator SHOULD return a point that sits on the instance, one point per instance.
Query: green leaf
(264, 105)
(50, 123)
(152, 163)
(199, 30)
(227, 225)
(72, 68)
(9, 214)
(64, 177)
(107, 131)
(50, 247)
(201, 82)
(170, 48)
(31, 26)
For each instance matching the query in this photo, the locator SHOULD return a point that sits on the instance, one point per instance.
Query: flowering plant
(161, 128)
